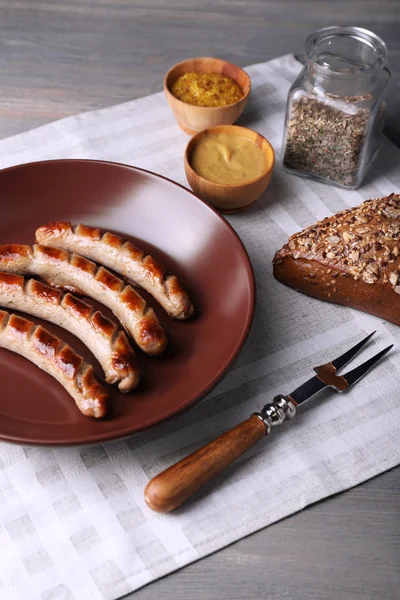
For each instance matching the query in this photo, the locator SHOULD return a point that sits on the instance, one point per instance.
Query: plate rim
(124, 434)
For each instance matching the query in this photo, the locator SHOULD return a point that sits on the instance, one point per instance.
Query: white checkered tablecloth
(73, 523)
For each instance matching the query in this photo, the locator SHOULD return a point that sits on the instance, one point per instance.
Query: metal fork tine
(356, 374)
(342, 361)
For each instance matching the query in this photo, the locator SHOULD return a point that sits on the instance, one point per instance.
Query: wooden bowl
(196, 118)
(230, 198)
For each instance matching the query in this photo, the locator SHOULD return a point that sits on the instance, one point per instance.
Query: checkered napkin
(73, 522)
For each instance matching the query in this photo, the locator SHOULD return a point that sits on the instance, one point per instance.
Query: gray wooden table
(60, 57)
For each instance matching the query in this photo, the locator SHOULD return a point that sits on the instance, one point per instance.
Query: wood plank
(59, 58)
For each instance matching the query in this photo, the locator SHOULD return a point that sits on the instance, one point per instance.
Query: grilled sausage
(72, 271)
(56, 358)
(107, 342)
(124, 258)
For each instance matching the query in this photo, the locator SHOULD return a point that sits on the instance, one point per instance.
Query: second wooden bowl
(196, 118)
(230, 198)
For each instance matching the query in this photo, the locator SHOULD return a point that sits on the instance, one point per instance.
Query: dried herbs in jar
(336, 106)
(326, 139)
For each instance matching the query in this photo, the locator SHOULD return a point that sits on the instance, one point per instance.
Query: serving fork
(175, 485)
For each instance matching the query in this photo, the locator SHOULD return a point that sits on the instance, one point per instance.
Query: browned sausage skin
(123, 257)
(56, 358)
(65, 270)
(105, 340)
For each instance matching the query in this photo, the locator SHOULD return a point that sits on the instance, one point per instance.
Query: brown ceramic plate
(166, 220)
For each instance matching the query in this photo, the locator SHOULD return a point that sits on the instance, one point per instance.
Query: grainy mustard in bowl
(206, 92)
(206, 89)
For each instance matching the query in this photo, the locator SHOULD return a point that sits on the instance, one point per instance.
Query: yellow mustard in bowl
(206, 89)
(221, 157)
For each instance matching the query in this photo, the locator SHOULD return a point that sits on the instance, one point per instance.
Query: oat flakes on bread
(351, 258)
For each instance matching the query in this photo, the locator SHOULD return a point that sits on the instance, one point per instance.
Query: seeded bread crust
(352, 258)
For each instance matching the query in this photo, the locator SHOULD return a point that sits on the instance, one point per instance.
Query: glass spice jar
(336, 106)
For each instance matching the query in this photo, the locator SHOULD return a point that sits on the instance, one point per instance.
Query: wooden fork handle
(173, 487)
